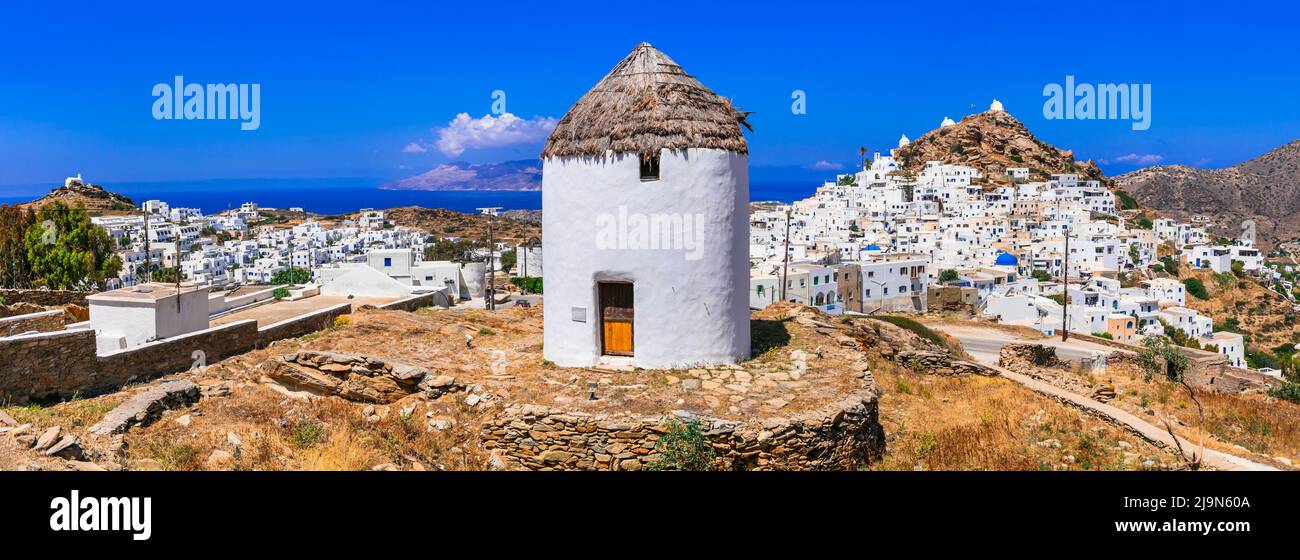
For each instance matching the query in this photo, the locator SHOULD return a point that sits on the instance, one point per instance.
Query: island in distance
(519, 175)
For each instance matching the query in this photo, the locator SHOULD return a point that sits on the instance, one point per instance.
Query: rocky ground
(94, 198)
(989, 141)
(408, 391)
(1262, 190)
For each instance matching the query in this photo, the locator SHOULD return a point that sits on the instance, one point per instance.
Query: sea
(339, 196)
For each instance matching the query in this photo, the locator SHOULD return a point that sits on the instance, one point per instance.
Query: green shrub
(280, 293)
(1126, 201)
(683, 448)
(1160, 358)
(948, 275)
(292, 275)
(306, 432)
(1196, 288)
(528, 284)
(1289, 391)
(911, 325)
(1171, 265)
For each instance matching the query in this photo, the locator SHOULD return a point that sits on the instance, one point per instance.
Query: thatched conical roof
(645, 104)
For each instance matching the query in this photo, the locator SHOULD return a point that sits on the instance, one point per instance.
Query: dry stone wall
(45, 364)
(412, 303)
(1022, 357)
(843, 436)
(938, 363)
(300, 325)
(44, 321)
(46, 298)
(64, 363)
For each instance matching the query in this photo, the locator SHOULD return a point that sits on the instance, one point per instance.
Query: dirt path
(1133, 424)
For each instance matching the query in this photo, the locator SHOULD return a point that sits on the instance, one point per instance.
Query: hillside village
(995, 240)
(909, 278)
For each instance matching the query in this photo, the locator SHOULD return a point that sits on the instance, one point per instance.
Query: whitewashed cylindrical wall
(690, 288)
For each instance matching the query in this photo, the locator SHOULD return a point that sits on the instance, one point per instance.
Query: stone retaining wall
(64, 363)
(1020, 357)
(1205, 370)
(45, 364)
(172, 355)
(1227, 379)
(300, 325)
(438, 298)
(937, 363)
(48, 298)
(44, 321)
(843, 436)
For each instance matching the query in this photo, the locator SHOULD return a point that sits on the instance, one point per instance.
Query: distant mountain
(992, 141)
(1265, 189)
(94, 198)
(522, 175)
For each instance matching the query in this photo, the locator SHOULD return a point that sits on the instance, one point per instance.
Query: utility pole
(147, 264)
(177, 269)
(785, 268)
(491, 267)
(1065, 282)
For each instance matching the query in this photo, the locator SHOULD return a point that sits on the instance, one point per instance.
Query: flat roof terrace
(276, 311)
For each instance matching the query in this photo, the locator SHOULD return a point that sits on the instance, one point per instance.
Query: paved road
(985, 344)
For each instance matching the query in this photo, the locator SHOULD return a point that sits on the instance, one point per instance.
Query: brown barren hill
(1265, 189)
(94, 198)
(992, 141)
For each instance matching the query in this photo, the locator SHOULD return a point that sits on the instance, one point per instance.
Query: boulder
(47, 439)
(438, 385)
(68, 448)
(147, 406)
(219, 459)
(353, 377)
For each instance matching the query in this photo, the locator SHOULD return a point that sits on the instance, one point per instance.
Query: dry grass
(978, 423)
(279, 433)
(75, 413)
(1256, 423)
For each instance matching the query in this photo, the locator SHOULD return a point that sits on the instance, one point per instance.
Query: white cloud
(823, 165)
(414, 148)
(1141, 159)
(465, 133)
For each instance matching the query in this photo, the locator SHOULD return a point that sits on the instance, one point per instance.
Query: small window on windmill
(649, 168)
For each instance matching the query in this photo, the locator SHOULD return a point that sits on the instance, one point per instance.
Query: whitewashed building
(129, 317)
(645, 196)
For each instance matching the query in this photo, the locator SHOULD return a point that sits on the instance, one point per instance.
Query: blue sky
(347, 90)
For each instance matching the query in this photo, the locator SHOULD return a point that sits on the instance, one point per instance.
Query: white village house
(645, 194)
(129, 317)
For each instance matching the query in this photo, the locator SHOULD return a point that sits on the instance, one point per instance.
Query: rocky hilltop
(94, 198)
(1263, 189)
(993, 140)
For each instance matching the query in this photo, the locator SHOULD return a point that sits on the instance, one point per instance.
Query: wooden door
(616, 318)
